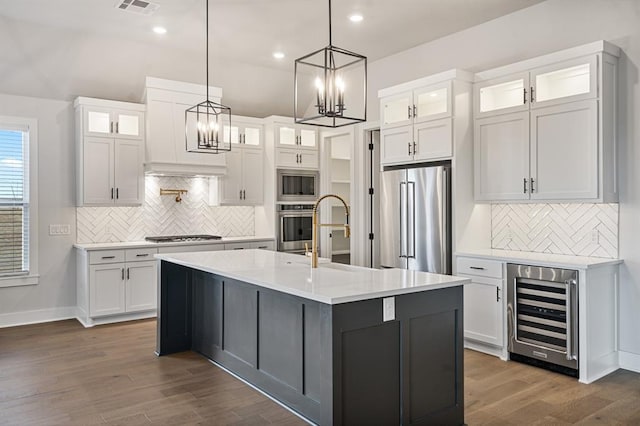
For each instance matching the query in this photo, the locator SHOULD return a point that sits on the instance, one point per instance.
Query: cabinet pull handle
(112, 193)
(414, 148)
(117, 127)
(142, 255)
(244, 194)
(300, 158)
(122, 273)
(262, 247)
(108, 257)
(240, 194)
(497, 294)
(525, 96)
(531, 94)
(127, 273)
(414, 110)
(111, 127)
(117, 193)
(524, 185)
(478, 268)
(531, 185)
(409, 148)
(409, 112)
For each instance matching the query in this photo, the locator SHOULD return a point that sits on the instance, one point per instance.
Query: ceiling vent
(141, 7)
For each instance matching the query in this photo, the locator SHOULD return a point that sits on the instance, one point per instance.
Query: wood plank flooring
(63, 374)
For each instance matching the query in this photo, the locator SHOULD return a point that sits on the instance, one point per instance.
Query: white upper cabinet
(247, 133)
(502, 95)
(417, 124)
(104, 121)
(110, 147)
(547, 133)
(296, 136)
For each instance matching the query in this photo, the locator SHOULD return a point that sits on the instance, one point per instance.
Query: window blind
(14, 201)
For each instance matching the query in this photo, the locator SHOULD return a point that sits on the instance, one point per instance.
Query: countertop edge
(149, 244)
(536, 259)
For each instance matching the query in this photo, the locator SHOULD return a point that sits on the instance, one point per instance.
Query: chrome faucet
(316, 225)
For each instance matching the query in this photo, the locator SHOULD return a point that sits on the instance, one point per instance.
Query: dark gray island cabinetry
(337, 344)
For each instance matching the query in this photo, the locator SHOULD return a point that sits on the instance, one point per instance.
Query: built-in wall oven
(298, 185)
(542, 309)
(295, 226)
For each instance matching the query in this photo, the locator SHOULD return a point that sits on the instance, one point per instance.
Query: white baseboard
(629, 361)
(90, 322)
(13, 319)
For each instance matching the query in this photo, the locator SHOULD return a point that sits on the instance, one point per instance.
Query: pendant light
(205, 121)
(330, 86)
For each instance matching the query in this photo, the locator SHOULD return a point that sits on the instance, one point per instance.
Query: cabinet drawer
(238, 246)
(264, 245)
(479, 267)
(106, 256)
(185, 249)
(138, 255)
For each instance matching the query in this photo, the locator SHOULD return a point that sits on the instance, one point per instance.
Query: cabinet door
(288, 158)
(141, 286)
(252, 136)
(432, 102)
(97, 121)
(308, 138)
(434, 139)
(253, 177)
(501, 157)
(129, 174)
(501, 95)
(397, 145)
(128, 124)
(396, 110)
(564, 82)
(231, 133)
(287, 136)
(308, 159)
(106, 289)
(97, 165)
(564, 151)
(230, 185)
(483, 306)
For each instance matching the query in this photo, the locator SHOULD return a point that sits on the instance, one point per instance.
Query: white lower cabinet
(106, 289)
(141, 286)
(483, 313)
(484, 305)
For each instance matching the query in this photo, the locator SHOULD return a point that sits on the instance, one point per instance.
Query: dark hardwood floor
(62, 374)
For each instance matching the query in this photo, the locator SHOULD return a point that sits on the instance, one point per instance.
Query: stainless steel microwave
(298, 185)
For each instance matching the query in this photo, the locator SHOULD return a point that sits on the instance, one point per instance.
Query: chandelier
(330, 86)
(204, 122)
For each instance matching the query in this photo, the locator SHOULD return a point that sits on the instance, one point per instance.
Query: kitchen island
(338, 344)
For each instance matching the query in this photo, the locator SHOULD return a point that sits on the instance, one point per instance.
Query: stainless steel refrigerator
(415, 218)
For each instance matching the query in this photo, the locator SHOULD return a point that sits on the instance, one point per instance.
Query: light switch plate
(388, 308)
(59, 229)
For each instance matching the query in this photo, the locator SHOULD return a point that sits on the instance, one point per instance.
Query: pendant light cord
(207, 48)
(330, 39)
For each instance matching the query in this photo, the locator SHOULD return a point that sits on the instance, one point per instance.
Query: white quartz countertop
(540, 259)
(330, 283)
(143, 244)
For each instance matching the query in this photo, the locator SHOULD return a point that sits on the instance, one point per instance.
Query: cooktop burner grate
(179, 238)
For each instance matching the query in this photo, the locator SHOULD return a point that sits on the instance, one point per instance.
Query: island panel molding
(164, 216)
(570, 229)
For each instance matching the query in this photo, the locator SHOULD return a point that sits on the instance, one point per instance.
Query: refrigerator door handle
(411, 220)
(403, 219)
(446, 229)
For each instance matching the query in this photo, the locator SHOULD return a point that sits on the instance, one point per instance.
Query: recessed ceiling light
(159, 30)
(278, 55)
(356, 17)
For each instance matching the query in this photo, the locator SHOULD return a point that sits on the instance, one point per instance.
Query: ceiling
(65, 48)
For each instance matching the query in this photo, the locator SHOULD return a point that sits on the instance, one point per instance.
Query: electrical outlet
(388, 308)
(595, 236)
(59, 229)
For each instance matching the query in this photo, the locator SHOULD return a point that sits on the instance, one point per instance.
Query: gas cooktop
(178, 238)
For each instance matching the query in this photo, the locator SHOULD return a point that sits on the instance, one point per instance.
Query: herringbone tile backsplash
(573, 229)
(161, 215)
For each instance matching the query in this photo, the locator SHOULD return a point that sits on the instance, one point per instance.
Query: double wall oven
(297, 191)
(542, 308)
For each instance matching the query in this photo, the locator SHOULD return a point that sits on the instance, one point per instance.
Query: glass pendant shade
(204, 122)
(330, 87)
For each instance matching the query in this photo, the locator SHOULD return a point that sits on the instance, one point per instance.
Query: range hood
(165, 152)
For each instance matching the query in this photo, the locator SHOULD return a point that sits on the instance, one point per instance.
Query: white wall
(55, 295)
(544, 28)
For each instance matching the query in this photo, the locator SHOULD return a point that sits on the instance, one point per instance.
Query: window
(18, 224)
